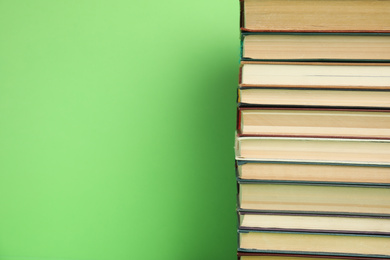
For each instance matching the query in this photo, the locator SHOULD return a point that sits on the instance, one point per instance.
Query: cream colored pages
(317, 15)
(314, 172)
(315, 75)
(365, 245)
(338, 223)
(361, 151)
(315, 47)
(309, 97)
(354, 123)
(313, 198)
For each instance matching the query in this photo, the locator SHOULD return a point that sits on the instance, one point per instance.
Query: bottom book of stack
(277, 256)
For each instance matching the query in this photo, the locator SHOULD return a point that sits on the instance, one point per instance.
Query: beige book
(315, 97)
(315, 75)
(315, 122)
(316, 47)
(296, 172)
(326, 150)
(315, 223)
(316, 16)
(314, 198)
(315, 243)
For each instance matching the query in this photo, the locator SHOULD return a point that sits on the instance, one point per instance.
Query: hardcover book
(307, 97)
(345, 224)
(314, 198)
(319, 122)
(313, 172)
(314, 243)
(316, 47)
(315, 16)
(315, 75)
(279, 256)
(316, 150)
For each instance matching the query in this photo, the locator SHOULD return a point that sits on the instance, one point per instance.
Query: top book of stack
(342, 16)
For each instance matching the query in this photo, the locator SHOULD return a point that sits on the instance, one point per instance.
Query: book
(314, 243)
(345, 224)
(284, 256)
(314, 198)
(313, 172)
(315, 75)
(306, 97)
(314, 122)
(316, 47)
(317, 150)
(315, 16)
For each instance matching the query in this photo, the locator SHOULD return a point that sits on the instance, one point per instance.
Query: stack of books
(313, 130)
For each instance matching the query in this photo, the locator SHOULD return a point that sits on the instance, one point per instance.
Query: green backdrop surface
(117, 126)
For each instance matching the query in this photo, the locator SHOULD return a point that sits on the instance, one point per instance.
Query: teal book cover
(117, 123)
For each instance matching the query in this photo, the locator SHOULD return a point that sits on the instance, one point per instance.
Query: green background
(117, 126)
